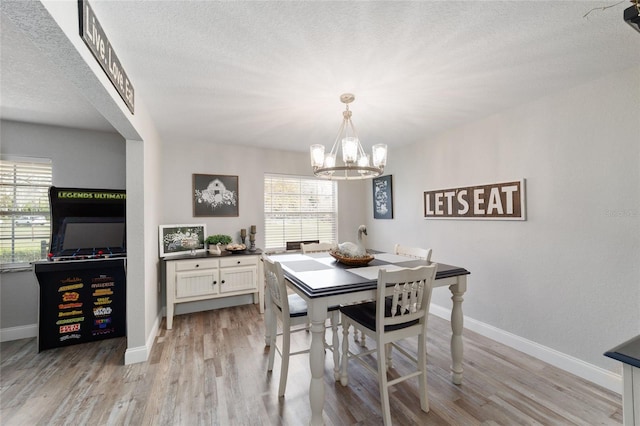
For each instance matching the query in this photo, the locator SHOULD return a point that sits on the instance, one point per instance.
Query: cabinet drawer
(196, 264)
(239, 261)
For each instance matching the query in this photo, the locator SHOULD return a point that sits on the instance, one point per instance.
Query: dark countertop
(628, 352)
(206, 255)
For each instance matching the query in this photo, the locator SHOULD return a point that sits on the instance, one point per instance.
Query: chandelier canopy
(356, 164)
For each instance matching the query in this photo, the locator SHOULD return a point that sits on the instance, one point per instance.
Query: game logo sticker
(70, 287)
(102, 322)
(70, 296)
(70, 336)
(69, 328)
(69, 305)
(70, 320)
(103, 301)
(102, 311)
(102, 281)
(102, 292)
(69, 313)
(102, 331)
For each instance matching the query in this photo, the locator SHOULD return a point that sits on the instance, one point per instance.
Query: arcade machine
(83, 281)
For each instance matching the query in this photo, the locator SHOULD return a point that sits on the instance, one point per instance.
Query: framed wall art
(181, 239)
(382, 198)
(215, 195)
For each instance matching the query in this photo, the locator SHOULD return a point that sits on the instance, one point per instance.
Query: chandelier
(356, 164)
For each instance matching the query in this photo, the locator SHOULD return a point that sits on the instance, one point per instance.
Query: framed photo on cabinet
(215, 195)
(382, 198)
(180, 239)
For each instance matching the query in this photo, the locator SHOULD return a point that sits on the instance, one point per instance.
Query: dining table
(323, 281)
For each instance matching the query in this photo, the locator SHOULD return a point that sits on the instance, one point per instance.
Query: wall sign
(95, 38)
(215, 195)
(382, 198)
(497, 201)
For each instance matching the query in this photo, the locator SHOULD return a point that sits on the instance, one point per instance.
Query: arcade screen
(87, 222)
(91, 232)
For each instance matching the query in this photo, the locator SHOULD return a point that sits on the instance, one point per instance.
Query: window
(299, 209)
(25, 221)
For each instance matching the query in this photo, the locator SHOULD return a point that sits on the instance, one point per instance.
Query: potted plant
(214, 240)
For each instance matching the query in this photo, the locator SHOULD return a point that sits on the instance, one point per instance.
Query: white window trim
(23, 266)
(306, 178)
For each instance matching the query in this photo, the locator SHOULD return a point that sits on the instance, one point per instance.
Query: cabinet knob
(238, 262)
(222, 282)
(215, 282)
(197, 266)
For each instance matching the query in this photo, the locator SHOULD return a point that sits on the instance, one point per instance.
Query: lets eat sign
(95, 38)
(498, 201)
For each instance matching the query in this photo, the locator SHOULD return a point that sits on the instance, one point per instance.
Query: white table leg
(457, 291)
(318, 313)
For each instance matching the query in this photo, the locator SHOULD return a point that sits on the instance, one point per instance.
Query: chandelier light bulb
(379, 155)
(350, 149)
(317, 155)
(355, 163)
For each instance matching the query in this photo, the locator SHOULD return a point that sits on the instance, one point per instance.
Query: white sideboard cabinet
(189, 279)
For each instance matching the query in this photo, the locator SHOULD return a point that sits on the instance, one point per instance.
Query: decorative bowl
(236, 247)
(351, 261)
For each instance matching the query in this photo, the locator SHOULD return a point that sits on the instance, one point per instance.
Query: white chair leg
(388, 350)
(422, 361)
(272, 342)
(335, 319)
(344, 380)
(284, 369)
(382, 381)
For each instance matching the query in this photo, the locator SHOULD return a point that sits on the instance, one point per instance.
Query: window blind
(25, 220)
(299, 209)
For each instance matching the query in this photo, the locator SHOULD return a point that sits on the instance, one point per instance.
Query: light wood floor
(211, 370)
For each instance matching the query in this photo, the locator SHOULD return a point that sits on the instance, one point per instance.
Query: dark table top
(318, 274)
(628, 352)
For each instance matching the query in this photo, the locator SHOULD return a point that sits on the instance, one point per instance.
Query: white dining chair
(316, 247)
(400, 311)
(290, 310)
(413, 252)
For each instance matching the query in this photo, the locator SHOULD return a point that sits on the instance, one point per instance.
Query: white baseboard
(131, 355)
(595, 374)
(20, 332)
(141, 353)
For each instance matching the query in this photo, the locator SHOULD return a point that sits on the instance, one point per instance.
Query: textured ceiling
(271, 73)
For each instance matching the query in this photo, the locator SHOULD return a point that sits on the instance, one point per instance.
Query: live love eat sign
(498, 201)
(95, 38)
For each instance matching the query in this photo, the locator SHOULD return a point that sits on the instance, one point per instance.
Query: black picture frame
(382, 197)
(215, 195)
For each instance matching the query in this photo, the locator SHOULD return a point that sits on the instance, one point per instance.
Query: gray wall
(183, 158)
(567, 278)
(80, 158)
